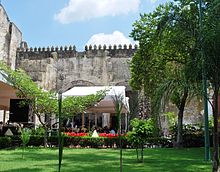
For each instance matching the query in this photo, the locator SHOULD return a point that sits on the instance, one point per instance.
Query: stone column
(105, 119)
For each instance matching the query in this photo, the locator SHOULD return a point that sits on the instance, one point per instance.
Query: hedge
(87, 141)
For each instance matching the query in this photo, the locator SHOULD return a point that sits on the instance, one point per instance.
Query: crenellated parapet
(118, 51)
(46, 52)
(48, 49)
(110, 47)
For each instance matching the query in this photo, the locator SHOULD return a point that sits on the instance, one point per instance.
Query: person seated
(83, 129)
(106, 129)
(112, 131)
(95, 134)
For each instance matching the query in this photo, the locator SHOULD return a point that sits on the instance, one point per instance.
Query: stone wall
(10, 39)
(94, 66)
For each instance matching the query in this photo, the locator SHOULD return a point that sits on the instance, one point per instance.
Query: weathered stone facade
(99, 67)
(10, 39)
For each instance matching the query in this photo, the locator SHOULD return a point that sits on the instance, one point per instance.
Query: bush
(5, 142)
(99, 142)
(40, 131)
(159, 142)
(36, 141)
(193, 135)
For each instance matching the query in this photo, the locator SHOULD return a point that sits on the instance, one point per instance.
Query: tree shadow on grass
(24, 170)
(107, 160)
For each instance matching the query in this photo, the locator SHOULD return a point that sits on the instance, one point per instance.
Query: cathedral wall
(10, 39)
(102, 66)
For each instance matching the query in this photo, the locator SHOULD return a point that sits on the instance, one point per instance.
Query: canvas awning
(7, 92)
(106, 105)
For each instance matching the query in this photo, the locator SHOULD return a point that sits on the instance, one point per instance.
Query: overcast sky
(76, 22)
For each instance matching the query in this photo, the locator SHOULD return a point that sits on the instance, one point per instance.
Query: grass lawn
(104, 160)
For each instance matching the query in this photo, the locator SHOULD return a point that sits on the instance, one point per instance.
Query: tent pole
(4, 116)
(96, 119)
(89, 121)
(83, 119)
(126, 122)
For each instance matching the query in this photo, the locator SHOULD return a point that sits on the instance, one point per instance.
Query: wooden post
(89, 122)
(83, 119)
(4, 116)
(96, 119)
(126, 122)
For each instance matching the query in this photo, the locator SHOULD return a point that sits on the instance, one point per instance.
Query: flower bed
(108, 135)
(73, 134)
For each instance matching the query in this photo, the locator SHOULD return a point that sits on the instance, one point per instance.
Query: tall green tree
(172, 34)
(211, 63)
(167, 39)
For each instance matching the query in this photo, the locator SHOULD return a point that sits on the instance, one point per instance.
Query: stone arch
(77, 83)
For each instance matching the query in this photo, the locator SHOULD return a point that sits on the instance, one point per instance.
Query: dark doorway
(18, 111)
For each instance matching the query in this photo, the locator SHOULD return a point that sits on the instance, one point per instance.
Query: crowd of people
(83, 129)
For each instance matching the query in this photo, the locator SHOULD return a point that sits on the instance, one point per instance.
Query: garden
(171, 48)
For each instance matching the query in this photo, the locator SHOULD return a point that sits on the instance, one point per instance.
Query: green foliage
(40, 131)
(39, 100)
(141, 130)
(5, 142)
(193, 135)
(44, 102)
(25, 137)
(169, 40)
(118, 103)
(172, 118)
(72, 105)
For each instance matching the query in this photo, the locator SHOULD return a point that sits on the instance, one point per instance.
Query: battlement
(24, 48)
(117, 51)
(110, 47)
(48, 49)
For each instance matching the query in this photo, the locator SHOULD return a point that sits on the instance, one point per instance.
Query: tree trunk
(179, 142)
(45, 137)
(120, 142)
(215, 160)
(142, 152)
(44, 124)
(137, 153)
(46, 131)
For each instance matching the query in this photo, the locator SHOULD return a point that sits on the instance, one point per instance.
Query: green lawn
(104, 160)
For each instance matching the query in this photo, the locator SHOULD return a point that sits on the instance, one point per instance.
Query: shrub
(36, 140)
(40, 131)
(193, 135)
(5, 142)
(25, 137)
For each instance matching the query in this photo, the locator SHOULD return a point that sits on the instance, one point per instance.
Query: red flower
(73, 134)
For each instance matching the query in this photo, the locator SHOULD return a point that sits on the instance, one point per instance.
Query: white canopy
(107, 104)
